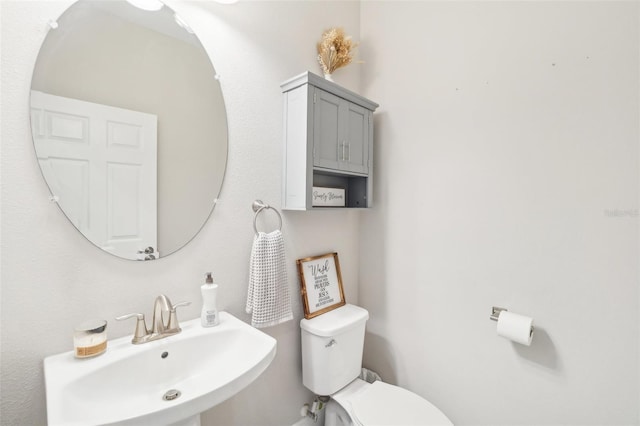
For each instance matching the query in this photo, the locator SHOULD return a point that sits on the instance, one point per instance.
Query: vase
(328, 77)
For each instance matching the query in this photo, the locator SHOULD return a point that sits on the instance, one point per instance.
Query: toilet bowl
(381, 404)
(332, 346)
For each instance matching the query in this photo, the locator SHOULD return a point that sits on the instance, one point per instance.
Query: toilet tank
(332, 345)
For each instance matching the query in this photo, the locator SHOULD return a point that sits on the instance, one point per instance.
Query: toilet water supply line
(317, 406)
(319, 402)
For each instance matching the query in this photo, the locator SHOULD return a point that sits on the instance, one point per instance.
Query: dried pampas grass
(335, 50)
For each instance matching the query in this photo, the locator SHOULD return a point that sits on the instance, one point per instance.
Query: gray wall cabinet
(328, 142)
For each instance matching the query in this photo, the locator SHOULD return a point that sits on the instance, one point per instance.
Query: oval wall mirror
(129, 126)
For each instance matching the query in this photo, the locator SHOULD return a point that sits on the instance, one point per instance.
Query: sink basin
(126, 384)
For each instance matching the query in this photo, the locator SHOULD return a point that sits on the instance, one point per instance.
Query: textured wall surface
(52, 278)
(507, 160)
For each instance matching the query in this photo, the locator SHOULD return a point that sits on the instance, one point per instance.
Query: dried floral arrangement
(335, 50)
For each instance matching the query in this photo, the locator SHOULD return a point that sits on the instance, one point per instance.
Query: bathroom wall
(52, 278)
(507, 166)
(506, 174)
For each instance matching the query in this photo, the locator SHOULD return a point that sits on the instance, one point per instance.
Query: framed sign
(320, 284)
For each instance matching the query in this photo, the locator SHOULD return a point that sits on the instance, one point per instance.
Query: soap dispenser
(209, 316)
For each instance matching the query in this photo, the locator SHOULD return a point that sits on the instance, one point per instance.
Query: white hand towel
(268, 297)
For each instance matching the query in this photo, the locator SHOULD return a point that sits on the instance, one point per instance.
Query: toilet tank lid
(336, 321)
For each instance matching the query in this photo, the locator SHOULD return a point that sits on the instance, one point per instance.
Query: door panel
(357, 137)
(326, 130)
(106, 158)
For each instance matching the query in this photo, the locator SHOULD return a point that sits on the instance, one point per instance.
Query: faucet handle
(179, 304)
(141, 327)
(173, 317)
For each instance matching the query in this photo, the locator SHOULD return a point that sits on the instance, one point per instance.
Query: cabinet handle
(349, 151)
(343, 156)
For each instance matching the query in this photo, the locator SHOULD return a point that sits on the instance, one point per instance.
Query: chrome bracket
(495, 313)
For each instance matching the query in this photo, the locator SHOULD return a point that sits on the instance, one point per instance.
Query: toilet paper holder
(495, 313)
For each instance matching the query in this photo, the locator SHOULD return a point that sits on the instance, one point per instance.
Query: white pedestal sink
(134, 384)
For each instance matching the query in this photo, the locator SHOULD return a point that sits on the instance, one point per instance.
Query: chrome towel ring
(258, 206)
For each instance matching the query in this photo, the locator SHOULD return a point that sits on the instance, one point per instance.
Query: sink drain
(171, 394)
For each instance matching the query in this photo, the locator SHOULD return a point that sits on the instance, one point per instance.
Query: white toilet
(332, 345)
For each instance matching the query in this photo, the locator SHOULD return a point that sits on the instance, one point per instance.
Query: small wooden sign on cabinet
(328, 197)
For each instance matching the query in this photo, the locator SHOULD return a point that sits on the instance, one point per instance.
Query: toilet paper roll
(515, 327)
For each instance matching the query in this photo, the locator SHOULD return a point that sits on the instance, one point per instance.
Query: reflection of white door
(101, 164)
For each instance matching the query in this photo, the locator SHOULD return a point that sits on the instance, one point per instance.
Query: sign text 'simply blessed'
(328, 197)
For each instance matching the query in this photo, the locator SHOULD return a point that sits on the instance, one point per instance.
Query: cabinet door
(354, 148)
(340, 134)
(327, 132)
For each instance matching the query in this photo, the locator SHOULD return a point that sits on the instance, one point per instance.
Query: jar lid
(92, 326)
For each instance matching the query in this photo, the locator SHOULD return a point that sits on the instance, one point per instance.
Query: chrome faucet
(161, 327)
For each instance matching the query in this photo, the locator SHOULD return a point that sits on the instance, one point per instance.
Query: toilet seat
(382, 404)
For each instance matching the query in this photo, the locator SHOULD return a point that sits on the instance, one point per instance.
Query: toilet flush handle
(331, 343)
